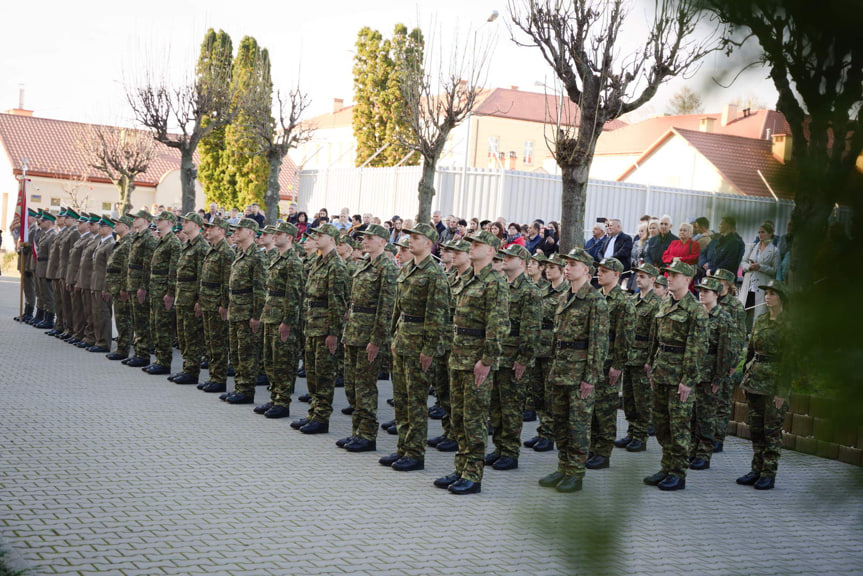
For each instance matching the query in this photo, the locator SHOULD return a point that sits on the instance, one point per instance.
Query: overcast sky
(74, 58)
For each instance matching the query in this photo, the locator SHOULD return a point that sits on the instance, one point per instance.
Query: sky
(75, 59)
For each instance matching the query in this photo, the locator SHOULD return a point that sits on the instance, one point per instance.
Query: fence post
(647, 198)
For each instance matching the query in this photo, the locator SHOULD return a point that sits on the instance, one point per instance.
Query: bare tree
(77, 189)
(580, 39)
(194, 109)
(120, 154)
(685, 101)
(438, 96)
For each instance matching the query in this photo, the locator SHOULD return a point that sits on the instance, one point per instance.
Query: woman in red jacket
(686, 248)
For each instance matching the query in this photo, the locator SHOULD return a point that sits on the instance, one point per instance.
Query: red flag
(21, 212)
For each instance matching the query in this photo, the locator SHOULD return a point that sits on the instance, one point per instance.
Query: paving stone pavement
(104, 469)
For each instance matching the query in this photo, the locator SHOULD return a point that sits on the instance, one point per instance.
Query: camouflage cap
(648, 269)
(287, 228)
(661, 280)
(499, 255)
(485, 237)
(347, 240)
(326, 229)
(540, 257)
(723, 274)
(680, 267)
(612, 264)
(143, 214)
(404, 242)
(776, 286)
(269, 229)
(167, 215)
(375, 230)
(517, 251)
(247, 223)
(423, 229)
(457, 245)
(127, 220)
(391, 248)
(579, 255)
(708, 283)
(556, 260)
(193, 217)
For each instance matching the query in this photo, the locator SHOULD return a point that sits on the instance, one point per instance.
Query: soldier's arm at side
(436, 313)
(382, 329)
(529, 327)
(695, 348)
(597, 341)
(337, 289)
(293, 293)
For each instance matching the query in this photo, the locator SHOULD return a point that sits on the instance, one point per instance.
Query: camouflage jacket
(163, 266)
(373, 295)
(66, 244)
(679, 343)
(326, 296)
(645, 311)
(766, 371)
(734, 308)
(140, 252)
(247, 285)
(189, 264)
(284, 290)
(581, 335)
(542, 284)
(525, 319)
(550, 299)
(215, 278)
(621, 328)
(115, 274)
(351, 268)
(420, 322)
(720, 358)
(74, 260)
(481, 320)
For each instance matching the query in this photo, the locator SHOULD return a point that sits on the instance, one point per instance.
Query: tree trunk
(271, 196)
(572, 201)
(426, 189)
(125, 187)
(188, 174)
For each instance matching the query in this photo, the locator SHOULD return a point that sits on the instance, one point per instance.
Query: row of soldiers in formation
(491, 330)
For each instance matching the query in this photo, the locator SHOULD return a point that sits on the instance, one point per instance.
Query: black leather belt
(641, 338)
(135, 267)
(159, 272)
(113, 270)
(764, 358)
(574, 345)
(409, 318)
(211, 284)
(317, 303)
(712, 350)
(514, 331)
(276, 293)
(186, 279)
(476, 332)
(364, 309)
(242, 291)
(673, 349)
(548, 325)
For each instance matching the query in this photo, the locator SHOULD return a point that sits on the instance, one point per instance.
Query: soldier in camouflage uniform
(115, 287)
(716, 366)
(637, 394)
(244, 311)
(768, 386)
(345, 249)
(214, 301)
(621, 334)
(580, 348)
(536, 270)
(281, 318)
(190, 327)
(732, 305)
(542, 391)
(161, 292)
(420, 323)
(367, 332)
(480, 324)
(676, 351)
(519, 351)
(137, 283)
(326, 304)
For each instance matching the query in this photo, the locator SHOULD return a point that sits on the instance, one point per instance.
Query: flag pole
(24, 223)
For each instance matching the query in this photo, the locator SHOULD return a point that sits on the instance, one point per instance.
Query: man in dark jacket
(615, 244)
(725, 250)
(657, 245)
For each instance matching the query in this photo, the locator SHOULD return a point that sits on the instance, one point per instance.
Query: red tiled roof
(738, 159)
(49, 146)
(635, 138)
(531, 107)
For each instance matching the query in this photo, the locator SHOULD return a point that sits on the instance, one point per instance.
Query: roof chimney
(729, 114)
(338, 104)
(20, 110)
(782, 147)
(706, 124)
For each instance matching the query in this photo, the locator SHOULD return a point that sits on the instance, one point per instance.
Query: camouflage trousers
(60, 308)
(141, 325)
(470, 407)
(572, 416)
(507, 411)
(102, 312)
(672, 420)
(603, 422)
(442, 392)
(217, 342)
(703, 421)
(361, 387)
(123, 321)
(190, 337)
(542, 401)
(244, 352)
(410, 396)
(765, 428)
(45, 294)
(637, 402)
(320, 376)
(162, 329)
(723, 408)
(281, 360)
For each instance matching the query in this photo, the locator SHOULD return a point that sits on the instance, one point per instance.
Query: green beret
(723, 274)
(193, 217)
(326, 229)
(648, 269)
(247, 223)
(169, 216)
(680, 267)
(485, 237)
(375, 230)
(579, 255)
(424, 229)
(518, 251)
(612, 264)
(708, 283)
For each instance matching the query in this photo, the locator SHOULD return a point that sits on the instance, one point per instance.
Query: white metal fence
(524, 196)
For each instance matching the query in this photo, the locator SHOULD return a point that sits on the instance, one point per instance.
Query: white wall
(169, 192)
(676, 164)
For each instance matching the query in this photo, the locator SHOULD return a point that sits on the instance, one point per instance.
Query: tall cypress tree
(217, 47)
(367, 122)
(406, 53)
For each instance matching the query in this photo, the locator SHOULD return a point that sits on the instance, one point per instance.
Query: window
(106, 207)
(55, 201)
(528, 151)
(493, 145)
